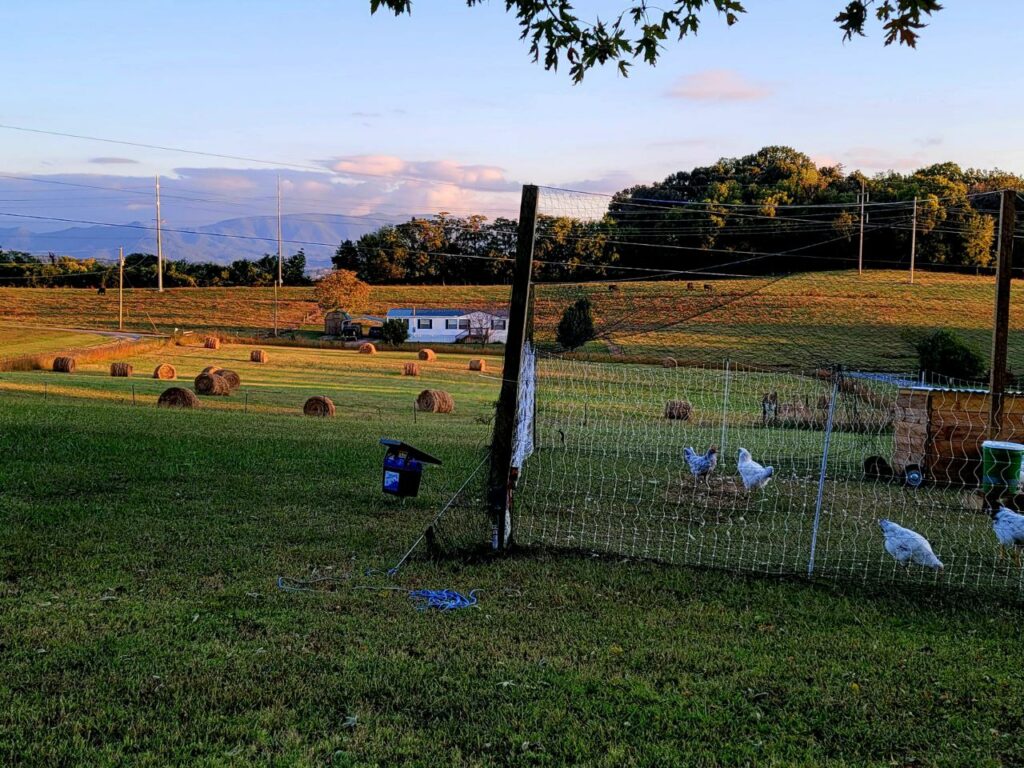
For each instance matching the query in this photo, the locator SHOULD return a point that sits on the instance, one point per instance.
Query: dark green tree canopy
(640, 29)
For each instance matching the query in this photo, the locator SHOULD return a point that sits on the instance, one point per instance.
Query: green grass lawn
(16, 341)
(141, 624)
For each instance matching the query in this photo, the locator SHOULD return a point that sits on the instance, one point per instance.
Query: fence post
(133, 394)
(836, 376)
(725, 411)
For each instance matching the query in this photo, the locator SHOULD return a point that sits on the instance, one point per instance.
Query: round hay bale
(212, 384)
(121, 369)
(212, 342)
(428, 355)
(211, 369)
(435, 401)
(478, 365)
(366, 348)
(319, 406)
(411, 369)
(64, 364)
(258, 356)
(177, 397)
(233, 379)
(678, 409)
(669, 362)
(165, 371)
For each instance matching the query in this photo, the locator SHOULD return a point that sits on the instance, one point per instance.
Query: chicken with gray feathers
(907, 546)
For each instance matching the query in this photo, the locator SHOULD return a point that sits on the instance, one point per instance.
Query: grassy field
(141, 622)
(796, 322)
(16, 341)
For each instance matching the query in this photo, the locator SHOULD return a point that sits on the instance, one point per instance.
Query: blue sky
(450, 94)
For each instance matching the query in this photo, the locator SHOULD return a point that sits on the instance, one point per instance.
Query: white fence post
(725, 411)
(824, 467)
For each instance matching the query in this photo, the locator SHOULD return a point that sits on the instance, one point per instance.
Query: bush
(341, 288)
(576, 327)
(944, 352)
(394, 332)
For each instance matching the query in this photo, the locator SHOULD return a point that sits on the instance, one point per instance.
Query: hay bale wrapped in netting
(165, 371)
(233, 379)
(212, 384)
(212, 342)
(366, 348)
(669, 362)
(319, 406)
(64, 364)
(478, 365)
(258, 356)
(678, 409)
(211, 369)
(428, 355)
(121, 369)
(435, 401)
(411, 369)
(177, 397)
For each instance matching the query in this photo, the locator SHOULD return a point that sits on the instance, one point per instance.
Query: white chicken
(754, 476)
(907, 546)
(1008, 527)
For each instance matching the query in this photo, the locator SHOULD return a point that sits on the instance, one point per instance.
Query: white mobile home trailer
(452, 326)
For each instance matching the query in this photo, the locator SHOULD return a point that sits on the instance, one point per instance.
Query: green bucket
(1000, 465)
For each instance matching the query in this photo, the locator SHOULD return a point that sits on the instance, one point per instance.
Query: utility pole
(159, 243)
(120, 289)
(860, 252)
(1007, 222)
(913, 243)
(278, 282)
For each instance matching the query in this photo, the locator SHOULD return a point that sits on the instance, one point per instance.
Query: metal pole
(159, 243)
(120, 289)
(860, 251)
(824, 469)
(913, 243)
(725, 411)
(1001, 321)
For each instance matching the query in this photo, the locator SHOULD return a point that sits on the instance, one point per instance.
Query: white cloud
(718, 85)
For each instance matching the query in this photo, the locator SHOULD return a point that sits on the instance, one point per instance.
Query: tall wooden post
(1001, 323)
(500, 482)
(120, 289)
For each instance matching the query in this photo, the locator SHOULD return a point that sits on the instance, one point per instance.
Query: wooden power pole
(913, 243)
(501, 481)
(860, 250)
(120, 289)
(1001, 322)
(159, 243)
(278, 283)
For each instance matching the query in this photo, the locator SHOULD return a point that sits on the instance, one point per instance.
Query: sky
(444, 110)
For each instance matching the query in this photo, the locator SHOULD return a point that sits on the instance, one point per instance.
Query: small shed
(940, 432)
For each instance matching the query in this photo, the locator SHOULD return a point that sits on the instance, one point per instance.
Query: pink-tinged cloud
(606, 184)
(113, 161)
(482, 178)
(872, 159)
(718, 85)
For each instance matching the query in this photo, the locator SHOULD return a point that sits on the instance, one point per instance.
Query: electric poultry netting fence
(721, 418)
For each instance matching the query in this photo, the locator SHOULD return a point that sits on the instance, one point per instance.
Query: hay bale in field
(478, 365)
(411, 369)
(121, 370)
(669, 362)
(211, 369)
(165, 371)
(258, 356)
(319, 406)
(428, 355)
(64, 364)
(435, 401)
(679, 410)
(366, 348)
(212, 384)
(177, 397)
(233, 379)
(212, 342)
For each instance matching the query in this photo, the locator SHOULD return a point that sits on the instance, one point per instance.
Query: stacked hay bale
(212, 342)
(64, 364)
(367, 348)
(165, 371)
(212, 384)
(669, 362)
(233, 379)
(319, 406)
(121, 370)
(211, 369)
(177, 397)
(478, 365)
(411, 369)
(679, 410)
(427, 354)
(258, 356)
(435, 401)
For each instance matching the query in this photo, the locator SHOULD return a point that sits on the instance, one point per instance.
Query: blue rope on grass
(442, 599)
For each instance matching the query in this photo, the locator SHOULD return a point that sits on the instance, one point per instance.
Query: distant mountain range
(318, 234)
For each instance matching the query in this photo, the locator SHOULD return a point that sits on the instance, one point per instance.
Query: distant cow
(708, 288)
(689, 286)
